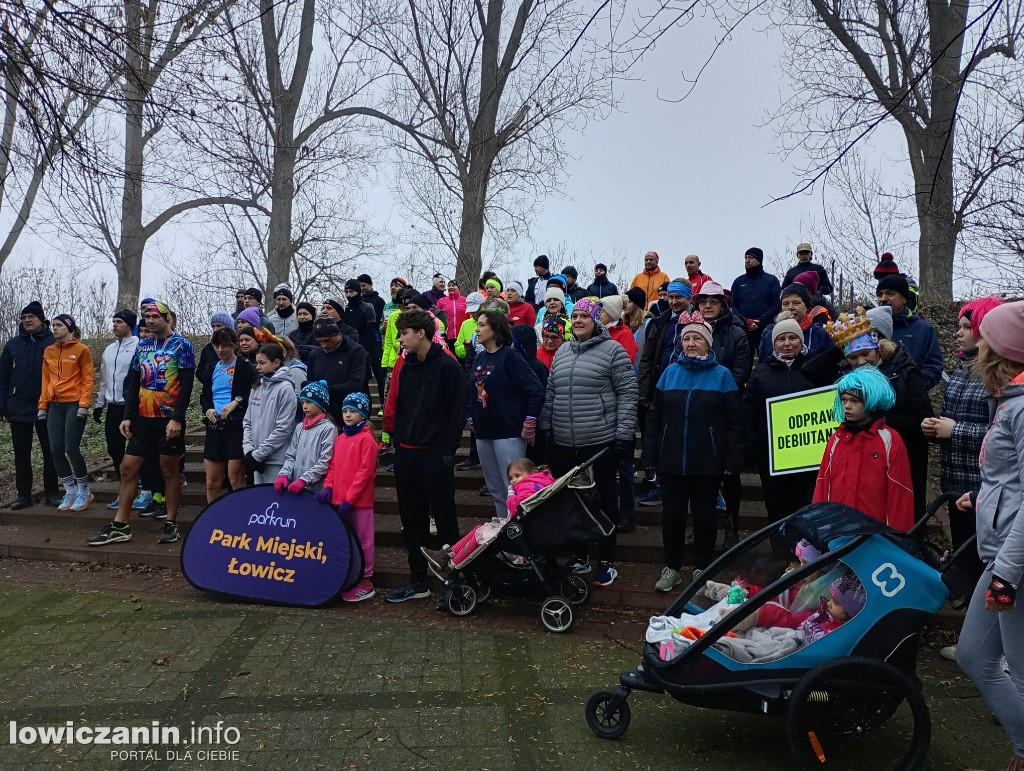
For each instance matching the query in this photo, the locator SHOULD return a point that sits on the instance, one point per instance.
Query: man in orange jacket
(650, 278)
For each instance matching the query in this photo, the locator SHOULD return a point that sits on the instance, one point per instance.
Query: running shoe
(605, 575)
(653, 498)
(362, 591)
(115, 532)
(169, 533)
(142, 500)
(410, 590)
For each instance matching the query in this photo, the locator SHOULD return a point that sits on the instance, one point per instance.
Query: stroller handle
(932, 510)
(587, 464)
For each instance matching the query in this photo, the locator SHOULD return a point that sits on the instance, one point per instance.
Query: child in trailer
(866, 465)
(312, 444)
(270, 420)
(525, 479)
(350, 481)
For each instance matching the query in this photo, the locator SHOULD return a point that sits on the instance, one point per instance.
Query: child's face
(837, 610)
(309, 409)
(517, 475)
(351, 417)
(267, 366)
(853, 408)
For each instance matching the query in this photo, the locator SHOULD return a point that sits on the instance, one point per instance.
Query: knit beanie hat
(247, 331)
(555, 293)
(694, 322)
(283, 290)
(809, 278)
(308, 307)
(638, 297)
(420, 302)
(364, 278)
(67, 320)
(885, 267)
(337, 303)
(219, 317)
(542, 262)
(352, 285)
(359, 402)
(569, 270)
(756, 253)
(254, 293)
(588, 306)
(317, 393)
(131, 318)
(806, 551)
(896, 283)
(560, 279)
(34, 308)
(515, 286)
(601, 266)
(405, 295)
(554, 325)
(977, 310)
(881, 320)
(848, 591)
(800, 291)
(399, 281)
(869, 385)
(474, 301)
(613, 305)
(250, 316)
(786, 322)
(325, 326)
(1003, 330)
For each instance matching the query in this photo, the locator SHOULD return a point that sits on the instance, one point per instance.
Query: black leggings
(696, 494)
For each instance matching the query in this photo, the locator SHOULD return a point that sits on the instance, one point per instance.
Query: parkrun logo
(270, 517)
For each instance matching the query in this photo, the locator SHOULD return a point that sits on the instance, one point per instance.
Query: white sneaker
(669, 579)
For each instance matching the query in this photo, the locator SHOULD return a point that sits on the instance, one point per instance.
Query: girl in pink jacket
(525, 479)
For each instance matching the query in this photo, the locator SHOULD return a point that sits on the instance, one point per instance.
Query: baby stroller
(850, 699)
(520, 560)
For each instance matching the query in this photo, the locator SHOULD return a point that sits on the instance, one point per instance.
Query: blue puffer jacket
(695, 424)
(21, 374)
(923, 345)
(756, 294)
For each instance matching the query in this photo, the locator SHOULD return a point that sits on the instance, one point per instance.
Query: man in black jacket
(339, 360)
(804, 254)
(426, 427)
(361, 317)
(537, 285)
(21, 382)
(374, 354)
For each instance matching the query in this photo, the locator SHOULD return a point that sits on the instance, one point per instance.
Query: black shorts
(224, 444)
(149, 434)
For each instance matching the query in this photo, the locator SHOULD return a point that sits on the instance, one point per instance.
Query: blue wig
(870, 386)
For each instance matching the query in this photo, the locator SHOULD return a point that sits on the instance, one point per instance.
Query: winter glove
(83, 413)
(281, 483)
(251, 464)
(1001, 593)
(529, 434)
(297, 486)
(323, 496)
(97, 414)
(345, 508)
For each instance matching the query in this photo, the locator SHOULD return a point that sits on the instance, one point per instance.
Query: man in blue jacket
(755, 296)
(21, 382)
(910, 329)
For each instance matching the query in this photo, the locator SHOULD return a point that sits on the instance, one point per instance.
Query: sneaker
(153, 510)
(380, 413)
(410, 590)
(578, 567)
(468, 465)
(696, 574)
(184, 480)
(362, 591)
(483, 491)
(114, 504)
(391, 467)
(115, 532)
(949, 652)
(82, 501)
(653, 498)
(142, 500)
(720, 503)
(67, 501)
(432, 527)
(169, 533)
(21, 503)
(731, 539)
(439, 560)
(605, 575)
(669, 579)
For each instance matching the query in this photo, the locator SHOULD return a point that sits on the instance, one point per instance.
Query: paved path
(371, 686)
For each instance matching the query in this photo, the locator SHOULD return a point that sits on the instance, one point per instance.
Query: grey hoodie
(270, 419)
(309, 453)
(1000, 505)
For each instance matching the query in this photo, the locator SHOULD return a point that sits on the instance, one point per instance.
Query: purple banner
(258, 544)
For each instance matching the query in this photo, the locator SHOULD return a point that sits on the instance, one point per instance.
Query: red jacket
(623, 336)
(455, 307)
(854, 472)
(522, 313)
(353, 469)
(698, 281)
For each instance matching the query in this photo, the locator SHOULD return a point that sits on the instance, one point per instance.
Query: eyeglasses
(709, 301)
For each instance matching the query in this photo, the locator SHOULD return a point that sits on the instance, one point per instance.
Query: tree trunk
(279, 234)
(471, 231)
(132, 242)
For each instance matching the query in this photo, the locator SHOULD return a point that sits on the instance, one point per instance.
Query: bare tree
(478, 93)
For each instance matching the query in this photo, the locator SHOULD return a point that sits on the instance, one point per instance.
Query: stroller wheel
(556, 614)
(483, 592)
(574, 589)
(605, 720)
(858, 712)
(461, 599)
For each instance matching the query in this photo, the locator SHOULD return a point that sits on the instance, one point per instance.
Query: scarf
(788, 360)
(353, 430)
(309, 422)
(286, 312)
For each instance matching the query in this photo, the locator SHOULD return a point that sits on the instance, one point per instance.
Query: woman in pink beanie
(994, 625)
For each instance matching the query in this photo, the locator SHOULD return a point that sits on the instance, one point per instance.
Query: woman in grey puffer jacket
(994, 625)
(590, 406)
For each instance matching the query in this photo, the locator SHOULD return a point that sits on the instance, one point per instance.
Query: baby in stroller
(525, 479)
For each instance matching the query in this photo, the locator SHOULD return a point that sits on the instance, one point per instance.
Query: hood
(905, 319)
(898, 361)
(35, 335)
(525, 338)
(278, 377)
(435, 351)
(601, 280)
(600, 334)
(657, 269)
(1013, 390)
(371, 296)
(294, 364)
(755, 271)
(698, 364)
(540, 478)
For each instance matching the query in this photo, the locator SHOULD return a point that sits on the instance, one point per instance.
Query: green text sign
(799, 426)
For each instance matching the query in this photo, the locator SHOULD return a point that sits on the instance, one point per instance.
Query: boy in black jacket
(426, 427)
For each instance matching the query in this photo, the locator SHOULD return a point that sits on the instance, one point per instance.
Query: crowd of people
(549, 374)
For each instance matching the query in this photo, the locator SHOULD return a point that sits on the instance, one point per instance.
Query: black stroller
(520, 560)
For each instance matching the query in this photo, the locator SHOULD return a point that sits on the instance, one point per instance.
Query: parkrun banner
(799, 427)
(258, 544)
